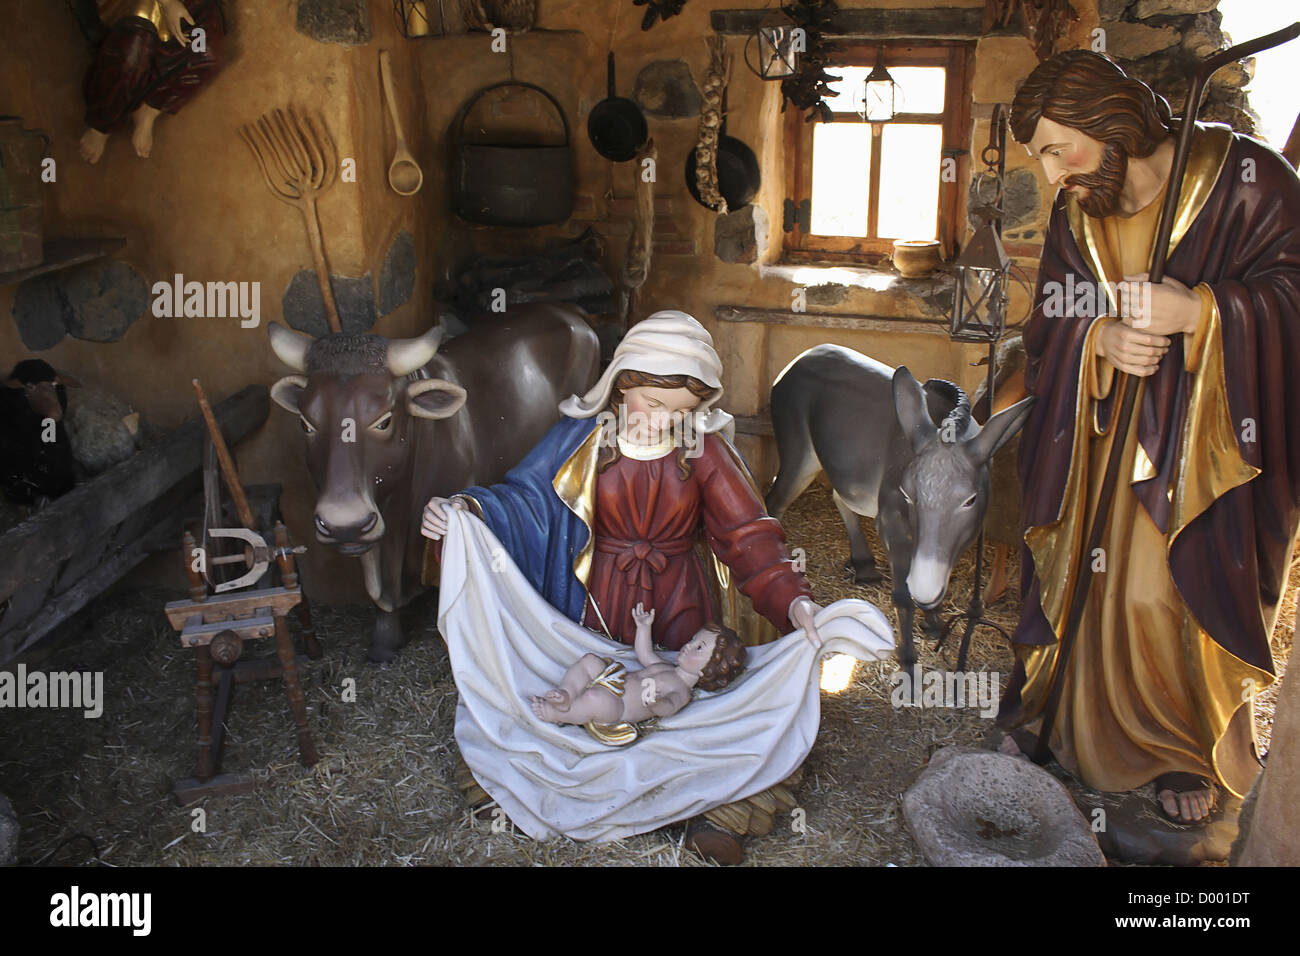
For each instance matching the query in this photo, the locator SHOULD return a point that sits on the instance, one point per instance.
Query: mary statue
(636, 497)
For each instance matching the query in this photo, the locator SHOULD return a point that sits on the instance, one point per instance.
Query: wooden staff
(1042, 752)
(227, 463)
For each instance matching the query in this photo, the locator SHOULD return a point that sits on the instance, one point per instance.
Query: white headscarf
(666, 343)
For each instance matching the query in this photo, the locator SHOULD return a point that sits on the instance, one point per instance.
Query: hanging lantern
(979, 309)
(878, 94)
(779, 44)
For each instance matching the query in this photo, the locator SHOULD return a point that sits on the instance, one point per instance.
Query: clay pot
(916, 258)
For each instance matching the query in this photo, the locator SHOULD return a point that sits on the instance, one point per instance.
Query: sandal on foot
(1179, 782)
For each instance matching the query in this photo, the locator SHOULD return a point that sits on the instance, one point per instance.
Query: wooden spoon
(404, 173)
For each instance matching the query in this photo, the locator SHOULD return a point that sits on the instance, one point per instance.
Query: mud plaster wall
(199, 206)
(566, 56)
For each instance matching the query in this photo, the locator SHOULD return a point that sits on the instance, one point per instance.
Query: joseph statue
(1174, 643)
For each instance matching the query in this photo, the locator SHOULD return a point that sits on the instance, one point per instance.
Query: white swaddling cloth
(507, 644)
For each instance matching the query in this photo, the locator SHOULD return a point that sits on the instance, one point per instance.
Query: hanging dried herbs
(809, 88)
(658, 10)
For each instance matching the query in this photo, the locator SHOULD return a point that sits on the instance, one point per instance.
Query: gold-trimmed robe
(1156, 683)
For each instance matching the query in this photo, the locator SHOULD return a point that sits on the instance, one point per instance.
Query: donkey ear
(909, 405)
(288, 392)
(999, 430)
(434, 398)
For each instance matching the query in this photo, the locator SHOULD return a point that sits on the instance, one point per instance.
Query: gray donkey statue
(909, 456)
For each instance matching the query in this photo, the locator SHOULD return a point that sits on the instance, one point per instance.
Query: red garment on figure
(647, 520)
(133, 66)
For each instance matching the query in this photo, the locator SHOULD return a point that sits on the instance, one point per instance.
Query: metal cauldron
(511, 184)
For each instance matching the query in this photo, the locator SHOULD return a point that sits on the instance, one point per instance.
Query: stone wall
(1162, 42)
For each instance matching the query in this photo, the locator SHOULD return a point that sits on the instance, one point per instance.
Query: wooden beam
(955, 23)
(760, 425)
(56, 609)
(231, 608)
(37, 546)
(831, 320)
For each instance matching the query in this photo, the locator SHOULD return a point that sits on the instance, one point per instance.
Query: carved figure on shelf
(146, 62)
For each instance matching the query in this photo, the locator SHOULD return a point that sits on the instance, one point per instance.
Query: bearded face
(1104, 184)
(1092, 170)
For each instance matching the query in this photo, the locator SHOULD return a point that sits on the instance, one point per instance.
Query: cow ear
(999, 430)
(434, 398)
(909, 405)
(288, 392)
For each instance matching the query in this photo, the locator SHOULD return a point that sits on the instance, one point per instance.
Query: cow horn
(290, 347)
(407, 355)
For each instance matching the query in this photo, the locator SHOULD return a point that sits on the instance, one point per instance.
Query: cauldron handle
(460, 130)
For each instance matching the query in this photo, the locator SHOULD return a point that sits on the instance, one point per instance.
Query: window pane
(919, 88)
(841, 178)
(909, 180)
(850, 85)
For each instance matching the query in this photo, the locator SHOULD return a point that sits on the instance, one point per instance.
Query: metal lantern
(878, 93)
(780, 42)
(979, 311)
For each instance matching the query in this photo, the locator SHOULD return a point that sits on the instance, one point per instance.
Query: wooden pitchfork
(299, 162)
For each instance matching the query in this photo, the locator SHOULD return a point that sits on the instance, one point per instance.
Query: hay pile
(384, 792)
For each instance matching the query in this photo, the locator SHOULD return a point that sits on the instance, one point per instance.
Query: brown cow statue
(392, 423)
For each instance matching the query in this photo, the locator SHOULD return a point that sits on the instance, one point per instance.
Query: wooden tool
(217, 626)
(299, 162)
(404, 173)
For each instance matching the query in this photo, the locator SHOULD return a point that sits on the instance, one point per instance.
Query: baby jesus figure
(609, 700)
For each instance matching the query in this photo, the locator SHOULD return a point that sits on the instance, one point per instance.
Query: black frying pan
(616, 126)
(738, 173)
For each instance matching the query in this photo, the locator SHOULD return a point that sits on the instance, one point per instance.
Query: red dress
(647, 520)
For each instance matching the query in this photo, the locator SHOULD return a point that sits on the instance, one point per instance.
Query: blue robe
(536, 527)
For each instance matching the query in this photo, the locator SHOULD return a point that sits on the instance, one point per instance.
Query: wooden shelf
(956, 23)
(62, 254)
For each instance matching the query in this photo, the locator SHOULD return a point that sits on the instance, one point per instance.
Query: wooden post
(289, 666)
(204, 688)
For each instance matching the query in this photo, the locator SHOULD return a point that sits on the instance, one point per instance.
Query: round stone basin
(978, 808)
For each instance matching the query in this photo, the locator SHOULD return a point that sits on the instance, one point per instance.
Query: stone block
(1001, 65)
(1164, 8)
(1130, 41)
(397, 277)
(335, 21)
(666, 89)
(354, 297)
(740, 236)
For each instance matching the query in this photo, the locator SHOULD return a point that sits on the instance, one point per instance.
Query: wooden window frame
(956, 57)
